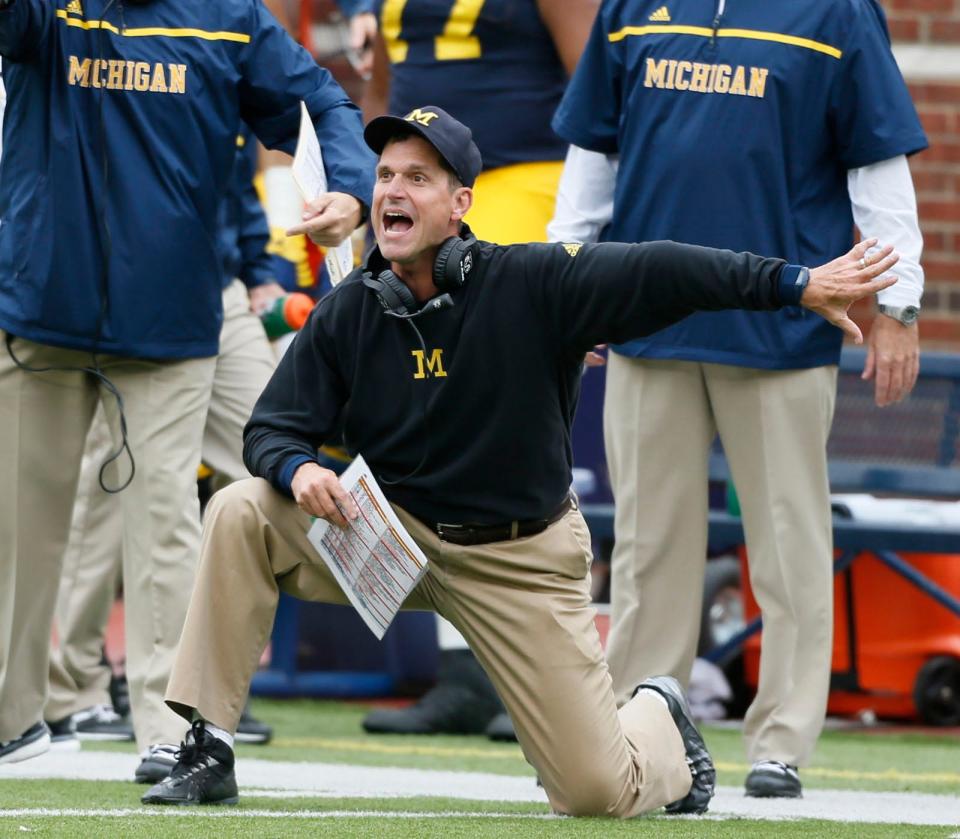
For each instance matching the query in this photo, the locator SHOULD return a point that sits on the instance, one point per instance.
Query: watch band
(792, 281)
(906, 315)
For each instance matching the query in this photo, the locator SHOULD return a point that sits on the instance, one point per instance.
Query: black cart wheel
(936, 692)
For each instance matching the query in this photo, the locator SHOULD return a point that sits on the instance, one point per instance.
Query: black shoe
(252, 730)
(120, 694)
(463, 701)
(203, 774)
(101, 722)
(63, 736)
(501, 729)
(773, 779)
(156, 763)
(698, 758)
(34, 741)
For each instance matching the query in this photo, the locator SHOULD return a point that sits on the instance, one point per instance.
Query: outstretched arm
(617, 292)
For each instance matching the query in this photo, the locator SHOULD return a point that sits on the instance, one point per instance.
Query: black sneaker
(203, 774)
(698, 758)
(773, 779)
(63, 736)
(463, 701)
(252, 730)
(156, 763)
(101, 722)
(34, 741)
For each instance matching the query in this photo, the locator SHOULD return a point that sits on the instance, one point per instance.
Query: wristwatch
(905, 314)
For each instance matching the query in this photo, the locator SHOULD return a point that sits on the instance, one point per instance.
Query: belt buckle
(451, 529)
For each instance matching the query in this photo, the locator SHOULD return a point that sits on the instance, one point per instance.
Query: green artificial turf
(330, 732)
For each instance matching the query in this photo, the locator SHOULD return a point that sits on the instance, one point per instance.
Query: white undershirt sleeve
(885, 208)
(584, 198)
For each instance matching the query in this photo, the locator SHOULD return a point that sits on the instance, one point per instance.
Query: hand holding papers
(311, 180)
(374, 560)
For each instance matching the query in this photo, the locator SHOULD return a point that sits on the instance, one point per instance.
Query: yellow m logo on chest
(432, 366)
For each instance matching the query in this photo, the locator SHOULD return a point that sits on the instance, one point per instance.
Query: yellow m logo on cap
(423, 117)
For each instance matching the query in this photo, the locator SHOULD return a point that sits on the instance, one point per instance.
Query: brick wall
(926, 35)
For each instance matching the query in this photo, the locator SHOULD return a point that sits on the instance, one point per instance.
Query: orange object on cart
(895, 650)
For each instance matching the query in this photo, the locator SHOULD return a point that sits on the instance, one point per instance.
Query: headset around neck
(451, 267)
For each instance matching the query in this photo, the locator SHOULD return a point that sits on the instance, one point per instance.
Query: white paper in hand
(374, 560)
(311, 179)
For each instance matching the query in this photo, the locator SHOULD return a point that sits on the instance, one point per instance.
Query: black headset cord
(423, 403)
(100, 376)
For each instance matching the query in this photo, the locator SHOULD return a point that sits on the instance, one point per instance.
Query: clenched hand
(318, 491)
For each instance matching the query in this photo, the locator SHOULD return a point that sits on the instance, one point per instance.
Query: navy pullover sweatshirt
(481, 413)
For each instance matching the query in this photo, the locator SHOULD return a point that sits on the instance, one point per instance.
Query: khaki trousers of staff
(44, 418)
(660, 418)
(524, 606)
(92, 563)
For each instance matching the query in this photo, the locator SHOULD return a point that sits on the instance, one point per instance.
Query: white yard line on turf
(285, 779)
(230, 813)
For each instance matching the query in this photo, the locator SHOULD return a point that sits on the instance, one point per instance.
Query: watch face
(909, 315)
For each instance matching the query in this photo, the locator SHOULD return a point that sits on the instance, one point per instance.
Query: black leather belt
(480, 534)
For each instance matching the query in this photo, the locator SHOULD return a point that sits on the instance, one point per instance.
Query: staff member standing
(462, 405)
(788, 122)
(119, 138)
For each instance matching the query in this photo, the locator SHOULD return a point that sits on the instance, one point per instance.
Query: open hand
(838, 284)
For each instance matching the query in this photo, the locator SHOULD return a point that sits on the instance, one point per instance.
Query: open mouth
(396, 221)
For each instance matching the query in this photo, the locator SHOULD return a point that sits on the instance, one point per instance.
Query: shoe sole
(668, 686)
(765, 790)
(179, 802)
(256, 739)
(32, 749)
(105, 738)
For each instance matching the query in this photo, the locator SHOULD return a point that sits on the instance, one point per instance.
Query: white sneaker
(34, 741)
(101, 722)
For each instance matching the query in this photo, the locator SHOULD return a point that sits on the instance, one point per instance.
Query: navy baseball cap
(452, 139)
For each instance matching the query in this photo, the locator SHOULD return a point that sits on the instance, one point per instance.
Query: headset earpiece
(454, 260)
(391, 291)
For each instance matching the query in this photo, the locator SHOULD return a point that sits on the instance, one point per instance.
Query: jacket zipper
(721, 5)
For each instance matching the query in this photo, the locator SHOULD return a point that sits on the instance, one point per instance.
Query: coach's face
(417, 204)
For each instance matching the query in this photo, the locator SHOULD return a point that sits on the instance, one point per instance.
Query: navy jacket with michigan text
(119, 139)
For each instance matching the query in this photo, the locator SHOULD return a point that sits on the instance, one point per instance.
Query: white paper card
(311, 179)
(375, 561)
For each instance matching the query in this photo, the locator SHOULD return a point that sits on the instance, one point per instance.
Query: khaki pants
(660, 418)
(88, 586)
(524, 606)
(92, 563)
(44, 419)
